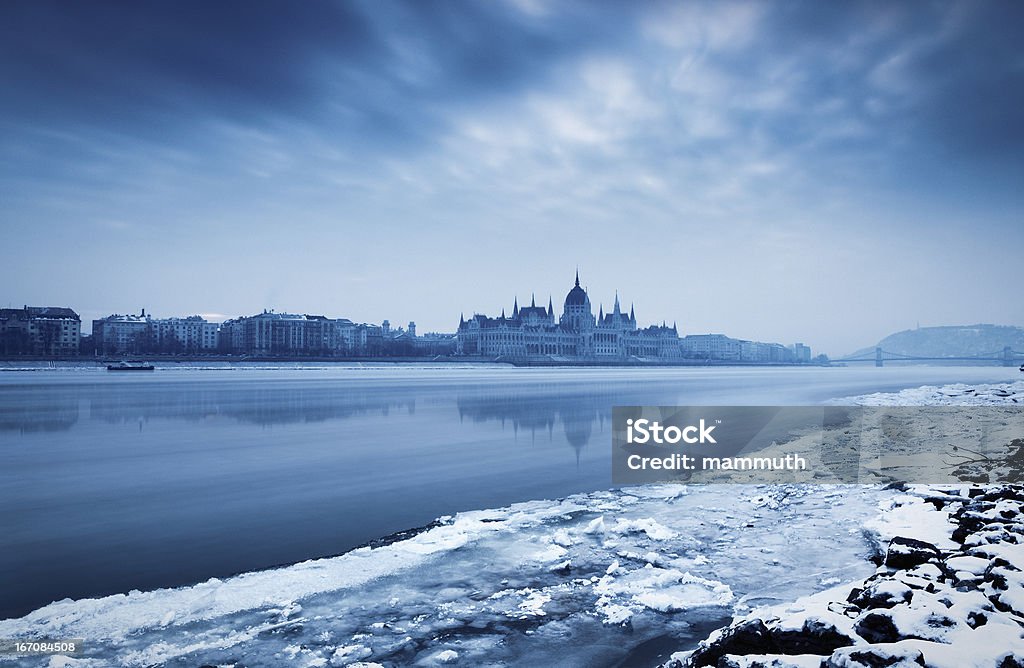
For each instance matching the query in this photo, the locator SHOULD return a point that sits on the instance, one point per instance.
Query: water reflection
(528, 410)
(572, 412)
(266, 406)
(199, 477)
(576, 411)
(60, 408)
(39, 409)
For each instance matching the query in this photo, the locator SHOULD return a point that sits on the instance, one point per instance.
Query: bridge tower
(1007, 356)
(878, 356)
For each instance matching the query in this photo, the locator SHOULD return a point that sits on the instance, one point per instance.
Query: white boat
(130, 366)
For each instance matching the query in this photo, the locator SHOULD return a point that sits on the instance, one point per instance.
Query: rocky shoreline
(948, 592)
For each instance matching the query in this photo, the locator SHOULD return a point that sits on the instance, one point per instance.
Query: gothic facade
(531, 331)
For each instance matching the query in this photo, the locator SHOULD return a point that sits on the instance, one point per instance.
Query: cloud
(705, 27)
(381, 140)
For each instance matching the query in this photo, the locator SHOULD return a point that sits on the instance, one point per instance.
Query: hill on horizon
(950, 341)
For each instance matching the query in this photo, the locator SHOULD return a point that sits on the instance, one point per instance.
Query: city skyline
(528, 334)
(580, 332)
(821, 173)
(399, 324)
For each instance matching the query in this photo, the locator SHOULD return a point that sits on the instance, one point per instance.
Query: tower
(577, 314)
(578, 317)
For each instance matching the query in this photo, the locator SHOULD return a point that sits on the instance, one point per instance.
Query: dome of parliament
(577, 296)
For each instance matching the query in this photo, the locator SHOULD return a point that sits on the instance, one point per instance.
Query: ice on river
(599, 577)
(959, 394)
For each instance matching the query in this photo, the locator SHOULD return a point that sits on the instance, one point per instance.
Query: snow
(446, 656)
(984, 647)
(646, 525)
(68, 662)
(892, 591)
(348, 654)
(972, 565)
(664, 590)
(1014, 554)
(910, 516)
(893, 654)
(971, 619)
(959, 394)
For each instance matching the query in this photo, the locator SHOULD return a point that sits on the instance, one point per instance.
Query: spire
(577, 277)
(515, 308)
(502, 314)
(617, 311)
(551, 307)
(674, 326)
(632, 317)
(462, 319)
(533, 301)
(600, 313)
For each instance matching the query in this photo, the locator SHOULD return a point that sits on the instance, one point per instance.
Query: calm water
(112, 482)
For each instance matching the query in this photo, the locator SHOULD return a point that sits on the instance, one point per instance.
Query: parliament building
(531, 331)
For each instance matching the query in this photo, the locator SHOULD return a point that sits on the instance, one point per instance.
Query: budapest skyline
(805, 172)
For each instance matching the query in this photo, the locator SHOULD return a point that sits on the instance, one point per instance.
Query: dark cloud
(955, 70)
(375, 70)
(110, 63)
(387, 75)
(973, 83)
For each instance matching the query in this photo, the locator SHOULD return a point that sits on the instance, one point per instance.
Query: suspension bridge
(1007, 357)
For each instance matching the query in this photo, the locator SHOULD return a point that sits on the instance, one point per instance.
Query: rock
(756, 662)
(909, 552)
(925, 594)
(1007, 603)
(998, 574)
(750, 637)
(816, 637)
(878, 656)
(876, 627)
(967, 525)
(1005, 493)
(1013, 660)
(971, 564)
(881, 594)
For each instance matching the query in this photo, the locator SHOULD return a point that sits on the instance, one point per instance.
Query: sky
(827, 173)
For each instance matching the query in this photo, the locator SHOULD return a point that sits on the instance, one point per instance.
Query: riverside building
(52, 331)
(532, 331)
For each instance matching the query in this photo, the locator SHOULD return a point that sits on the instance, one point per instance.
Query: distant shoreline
(167, 360)
(517, 362)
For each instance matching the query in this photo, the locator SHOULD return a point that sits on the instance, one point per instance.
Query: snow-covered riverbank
(948, 591)
(959, 394)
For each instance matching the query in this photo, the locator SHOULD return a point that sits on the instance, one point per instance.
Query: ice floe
(621, 573)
